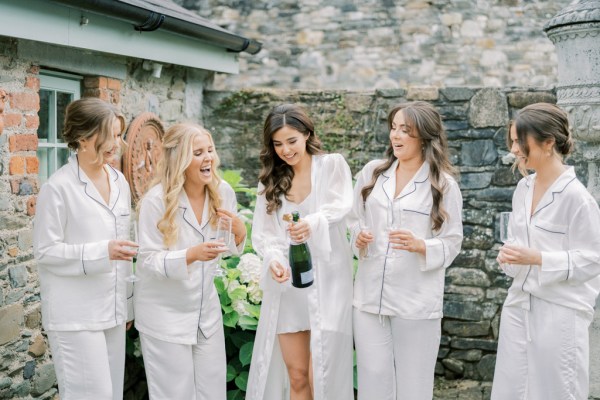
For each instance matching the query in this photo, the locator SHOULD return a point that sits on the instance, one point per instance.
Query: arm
(442, 249)
(50, 249)
(581, 262)
(334, 203)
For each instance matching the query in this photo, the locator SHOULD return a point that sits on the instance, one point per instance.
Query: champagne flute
(223, 235)
(365, 228)
(394, 224)
(133, 236)
(505, 235)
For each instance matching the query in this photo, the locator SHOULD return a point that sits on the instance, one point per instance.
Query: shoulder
(335, 159)
(225, 189)
(372, 165)
(154, 196)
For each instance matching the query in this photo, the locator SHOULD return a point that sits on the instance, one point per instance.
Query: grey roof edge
(149, 15)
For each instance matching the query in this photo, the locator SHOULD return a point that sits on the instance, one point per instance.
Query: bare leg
(295, 349)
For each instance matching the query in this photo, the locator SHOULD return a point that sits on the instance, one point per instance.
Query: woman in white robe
(178, 313)
(82, 261)
(553, 256)
(309, 328)
(398, 301)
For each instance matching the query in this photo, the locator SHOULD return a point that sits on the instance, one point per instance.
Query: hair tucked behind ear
(276, 175)
(177, 154)
(424, 122)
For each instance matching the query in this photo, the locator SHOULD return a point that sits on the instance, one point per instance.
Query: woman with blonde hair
(82, 263)
(178, 313)
(412, 207)
(553, 255)
(303, 346)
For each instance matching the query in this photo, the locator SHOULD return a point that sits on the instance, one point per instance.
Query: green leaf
(235, 395)
(230, 319)
(253, 309)
(220, 285)
(241, 380)
(246, 353)
(226, 308)
(231, 373)
(239, 293)
(247, 322)
(240, 337)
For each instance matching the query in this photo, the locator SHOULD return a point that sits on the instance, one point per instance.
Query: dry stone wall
(382, 44)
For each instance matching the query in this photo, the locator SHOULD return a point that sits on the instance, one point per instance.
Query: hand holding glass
(128, 231)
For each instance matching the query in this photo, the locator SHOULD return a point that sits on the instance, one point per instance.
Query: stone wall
(26, 370)
(354, 124)
(382, 44)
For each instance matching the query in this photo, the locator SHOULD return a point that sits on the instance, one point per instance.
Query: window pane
(62, 157)
(62, 101)
(42, 155)
(44, 114)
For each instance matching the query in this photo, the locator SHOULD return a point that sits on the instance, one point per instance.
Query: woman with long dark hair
(412, 207)
(303, 347)
(553, 256)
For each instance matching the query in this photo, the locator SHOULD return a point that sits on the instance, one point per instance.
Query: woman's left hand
(513, 254)
(299, 231)
(238, 228)
(403, 239)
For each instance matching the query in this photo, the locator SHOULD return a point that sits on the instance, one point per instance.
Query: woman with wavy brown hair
(303, 347)
(178, 313)
(412, 207)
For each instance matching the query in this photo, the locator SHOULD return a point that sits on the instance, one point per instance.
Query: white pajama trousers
(89, 365)
(395, 357)
(543, 353)
(184, 371)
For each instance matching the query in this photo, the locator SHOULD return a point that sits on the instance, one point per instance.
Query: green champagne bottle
(300, 261)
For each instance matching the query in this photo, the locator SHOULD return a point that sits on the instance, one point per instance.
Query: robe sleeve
(333, 203)
(443, 248)
(154, 257)
(50, 248)
(581, 261)
(230, 204)
(268, 240)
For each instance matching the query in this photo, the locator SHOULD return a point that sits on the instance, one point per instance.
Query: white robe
(329, 298)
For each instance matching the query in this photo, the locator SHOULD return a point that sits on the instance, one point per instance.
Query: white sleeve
(48, 240)
(268, 240)
(442, 249)
(334, 203)
(581, 262)
(154, 257)
(230, 204)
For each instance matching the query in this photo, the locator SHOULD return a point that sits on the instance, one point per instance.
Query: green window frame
(57, 90)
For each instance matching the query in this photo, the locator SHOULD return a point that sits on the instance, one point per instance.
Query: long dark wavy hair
(423, 121)
(275, 174)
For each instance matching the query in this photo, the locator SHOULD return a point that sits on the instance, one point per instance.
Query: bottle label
(306, 277)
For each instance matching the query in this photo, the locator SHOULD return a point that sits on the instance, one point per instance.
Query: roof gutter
(147, 20)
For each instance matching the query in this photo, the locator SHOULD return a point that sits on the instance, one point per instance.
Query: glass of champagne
(133, 236)
(365, 228)
(394, 224)
(505, 236)
(223, 235)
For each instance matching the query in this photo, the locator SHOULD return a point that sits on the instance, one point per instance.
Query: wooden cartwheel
(144, 150)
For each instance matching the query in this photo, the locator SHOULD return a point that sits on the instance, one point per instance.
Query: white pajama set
(543, 348)
(398, 301)
(84, 294)
(178, 313)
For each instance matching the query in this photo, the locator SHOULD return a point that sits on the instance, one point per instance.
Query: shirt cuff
(94, 258)
(435, 254)
(555, 267)
(175, 265)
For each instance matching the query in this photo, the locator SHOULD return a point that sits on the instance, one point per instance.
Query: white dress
(329, 298)
(293, 306)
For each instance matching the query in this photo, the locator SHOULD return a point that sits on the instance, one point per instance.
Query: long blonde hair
(177, 154)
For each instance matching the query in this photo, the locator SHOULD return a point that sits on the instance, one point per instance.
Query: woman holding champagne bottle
(178, 313)
(82, 259)
(553, 256)
(412, 207)
(303, 346)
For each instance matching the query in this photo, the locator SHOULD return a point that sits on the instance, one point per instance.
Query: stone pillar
(575, 32)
